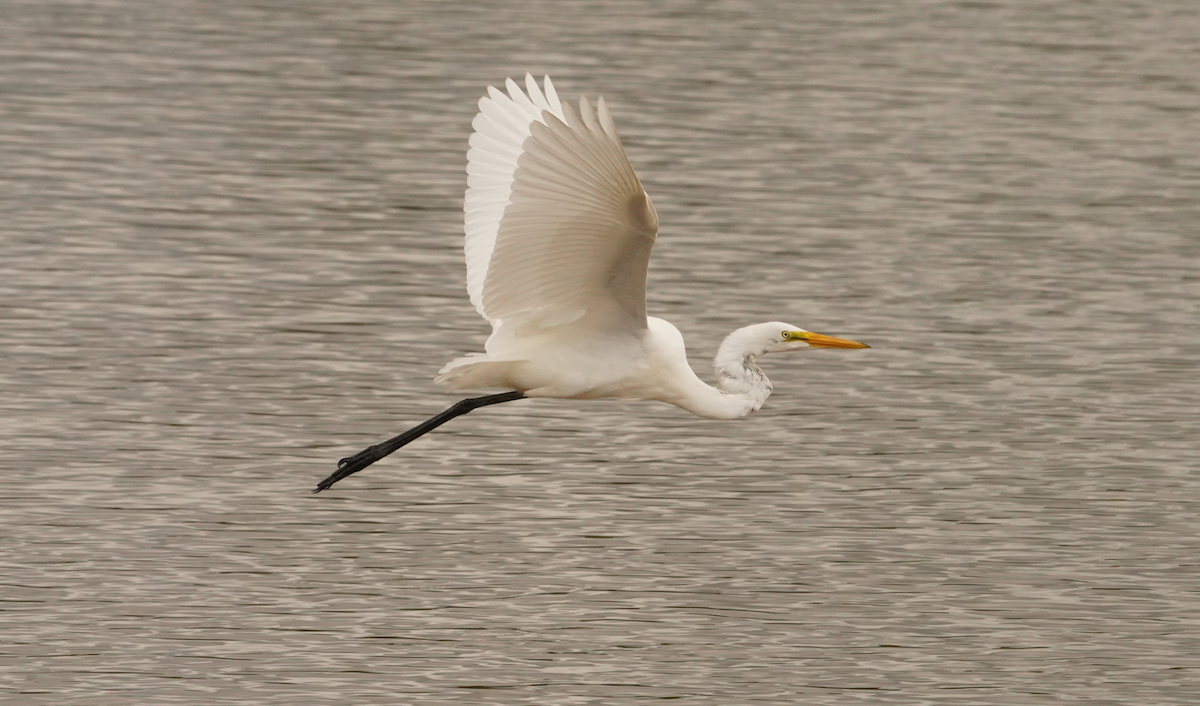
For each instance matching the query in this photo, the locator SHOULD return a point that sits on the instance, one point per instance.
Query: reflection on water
(230, 255)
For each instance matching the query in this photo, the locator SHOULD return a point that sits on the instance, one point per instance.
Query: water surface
(230, 254)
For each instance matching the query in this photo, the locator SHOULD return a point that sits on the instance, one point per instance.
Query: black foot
(351, 465)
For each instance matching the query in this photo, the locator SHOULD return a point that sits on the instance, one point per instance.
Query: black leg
(371, 454)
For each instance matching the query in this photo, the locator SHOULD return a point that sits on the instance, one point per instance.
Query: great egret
(558, 237)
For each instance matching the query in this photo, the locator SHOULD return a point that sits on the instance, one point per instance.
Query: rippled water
(230, 255)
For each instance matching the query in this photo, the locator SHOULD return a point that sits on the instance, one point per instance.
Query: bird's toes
(363, 458)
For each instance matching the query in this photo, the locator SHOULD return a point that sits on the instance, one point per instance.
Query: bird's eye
(786, 335)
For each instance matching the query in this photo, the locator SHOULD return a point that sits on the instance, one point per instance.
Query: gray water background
(230, 254)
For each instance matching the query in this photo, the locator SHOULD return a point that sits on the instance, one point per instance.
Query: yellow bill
(818, 340)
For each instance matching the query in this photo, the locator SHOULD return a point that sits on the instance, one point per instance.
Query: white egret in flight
(559, 232)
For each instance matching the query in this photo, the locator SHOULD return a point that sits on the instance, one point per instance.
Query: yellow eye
(786, 335)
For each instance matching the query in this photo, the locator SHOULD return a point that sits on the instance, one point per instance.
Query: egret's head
(785, 337)
(772, 337)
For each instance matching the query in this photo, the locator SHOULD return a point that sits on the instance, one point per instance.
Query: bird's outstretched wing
(558, 226)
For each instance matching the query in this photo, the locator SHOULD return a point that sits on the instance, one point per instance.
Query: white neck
(741, 387)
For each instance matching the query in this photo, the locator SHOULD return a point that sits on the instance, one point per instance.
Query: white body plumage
(559, 233)
(558, 239)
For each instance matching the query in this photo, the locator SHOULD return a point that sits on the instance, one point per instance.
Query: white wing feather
(559, 230)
